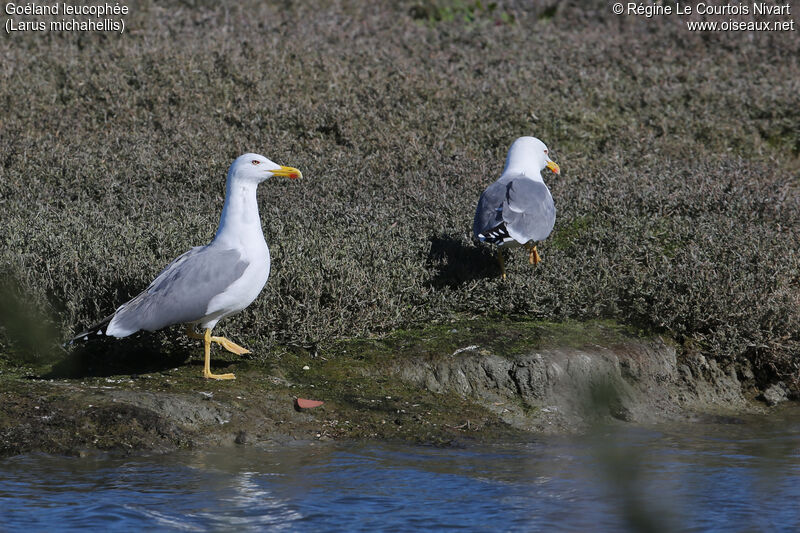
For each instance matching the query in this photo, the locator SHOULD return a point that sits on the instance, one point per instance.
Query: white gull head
(255, 168)
(240, 220)
(529, 156)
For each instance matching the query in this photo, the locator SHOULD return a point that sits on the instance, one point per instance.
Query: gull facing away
(517, 209)
(208, 283)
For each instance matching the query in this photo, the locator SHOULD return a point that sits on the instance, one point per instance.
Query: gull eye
(256, 162)
(545, 151)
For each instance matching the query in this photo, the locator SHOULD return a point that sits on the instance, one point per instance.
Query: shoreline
(482, 380)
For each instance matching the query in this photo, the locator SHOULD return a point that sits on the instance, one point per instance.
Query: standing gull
(517, 209)
(208, 283)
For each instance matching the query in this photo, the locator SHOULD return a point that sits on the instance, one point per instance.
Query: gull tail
(96, 330)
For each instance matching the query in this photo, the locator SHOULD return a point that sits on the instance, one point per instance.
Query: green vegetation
(501, 336)
(678, 203)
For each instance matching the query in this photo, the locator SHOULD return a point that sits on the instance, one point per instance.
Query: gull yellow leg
(222, 341)
(502, 262)
(207, 339)
(533, 255)
(536, 257)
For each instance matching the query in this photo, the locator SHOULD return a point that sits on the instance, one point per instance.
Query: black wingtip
(97, 330)
(497, 235)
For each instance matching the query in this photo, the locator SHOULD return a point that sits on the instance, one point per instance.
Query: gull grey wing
(528, 210)
(489, 213)
(181, 292)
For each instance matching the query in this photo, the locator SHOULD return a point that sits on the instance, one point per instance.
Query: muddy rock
(566, 388)
(775, 394)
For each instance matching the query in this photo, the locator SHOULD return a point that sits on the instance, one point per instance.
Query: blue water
(702, 476)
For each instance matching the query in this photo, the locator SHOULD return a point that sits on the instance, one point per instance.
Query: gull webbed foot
(230, 345)
(208, 375)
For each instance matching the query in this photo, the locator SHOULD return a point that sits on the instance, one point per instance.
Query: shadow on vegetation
(108, 357)
(456, 262)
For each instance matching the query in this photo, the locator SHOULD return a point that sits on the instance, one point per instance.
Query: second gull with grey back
(518, 209)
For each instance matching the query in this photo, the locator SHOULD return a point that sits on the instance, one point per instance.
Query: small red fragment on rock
(302, 403)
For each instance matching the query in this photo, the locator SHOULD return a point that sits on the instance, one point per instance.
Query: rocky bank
(468, 379)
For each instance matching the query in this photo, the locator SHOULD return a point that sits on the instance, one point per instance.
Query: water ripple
(691, 477)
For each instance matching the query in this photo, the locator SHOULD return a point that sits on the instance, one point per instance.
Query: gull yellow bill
(554, 167)
(287, 172)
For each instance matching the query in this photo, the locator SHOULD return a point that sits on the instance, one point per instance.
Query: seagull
(208, 283)
(517, 209)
